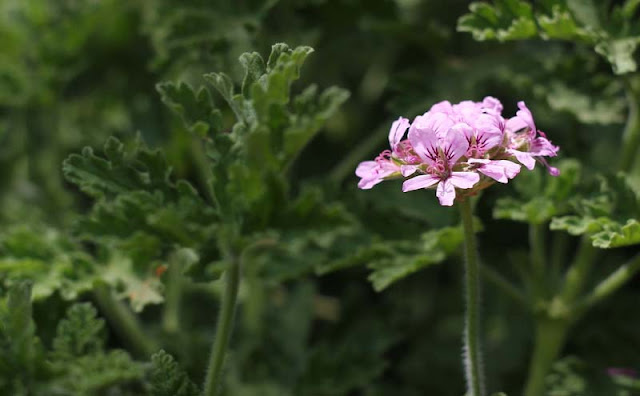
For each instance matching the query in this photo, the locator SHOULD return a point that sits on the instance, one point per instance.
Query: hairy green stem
(631, 135)
(549, 339)
(173, 297)
(473, 361)
(224, 328)
(611, 284)
(124, 322)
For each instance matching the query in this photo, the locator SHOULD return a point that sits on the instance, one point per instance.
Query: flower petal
(366, 168)
(368, 183)
(540, 146)
(446, 192)
(493, 104)
(464, 179)
(408, 170)
(396, 133)
(525, 158)
(424, 142)
(501, 170)
(523, 119)
(454, 145)
(418, 182)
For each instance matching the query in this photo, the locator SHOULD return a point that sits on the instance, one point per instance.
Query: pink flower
(384, 166)
(455, 146)
(525, 145)
(501, 170)
(440, 149)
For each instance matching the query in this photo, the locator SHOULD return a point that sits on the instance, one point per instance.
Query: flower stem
(550, 337)
(612, 283)
(124, 322)
(578, 273)
(473, 362)
(173, 297)
(631, 135)
(224, 327)
(508, 288)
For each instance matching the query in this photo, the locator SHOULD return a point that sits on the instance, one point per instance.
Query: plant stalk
(473, 361)
(611, 284)
(124, 322)
(508, 288)
(173, 297)
(631, 135)
(549, 339)
(224, 328)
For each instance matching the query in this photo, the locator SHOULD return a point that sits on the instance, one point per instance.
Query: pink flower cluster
(466, 146)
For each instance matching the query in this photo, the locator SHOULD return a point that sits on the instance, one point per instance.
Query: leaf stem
(611, 284)
(549, 339)
(173, 296)
(578, 272)
(473, 362)
(631, 135)
(124, 322)
(224, 327)
(505, 285)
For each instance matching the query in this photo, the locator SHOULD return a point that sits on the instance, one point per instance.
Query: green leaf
(21, 355)
(224, 85)
(620, 52)
(194, 107)
(353, 361)
(52, 261)
(609, 216)
(254, 68)
(98, 373)
(167, 379)
(585, 107)
(617, 235)
(405, 258)
(506, 20)
(80, 333)
(541, 196)
(138, 286)
(121, 170)
(562, 25)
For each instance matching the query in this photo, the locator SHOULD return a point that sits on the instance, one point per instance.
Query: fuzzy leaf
(619, 52)
(121, 170)
(609, 216)
(541, 197)
(506, 20)
(405, 258)
(53, 262)
(194, 107)
(355, 360)
(92, 374)
(167, 379)
(80, 333)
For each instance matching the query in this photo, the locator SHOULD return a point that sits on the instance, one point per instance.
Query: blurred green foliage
(138, 137)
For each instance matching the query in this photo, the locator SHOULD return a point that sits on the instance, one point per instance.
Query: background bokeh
(74, 72)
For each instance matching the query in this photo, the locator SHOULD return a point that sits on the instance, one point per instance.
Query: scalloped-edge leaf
(410, 257)
(167, 379)
(619, 52)
(616, 235)
(507, 20)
